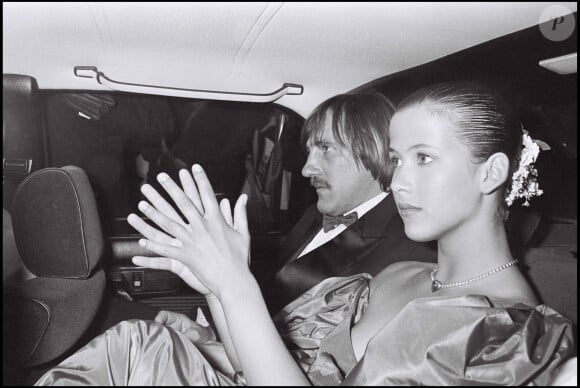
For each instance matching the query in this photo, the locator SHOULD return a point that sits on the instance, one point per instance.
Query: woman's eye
(424, 159)
(395, 162)
(324, 148)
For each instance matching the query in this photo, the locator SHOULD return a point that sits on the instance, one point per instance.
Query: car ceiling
(328, 48)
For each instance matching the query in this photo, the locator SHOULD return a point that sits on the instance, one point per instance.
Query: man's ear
(494, 172)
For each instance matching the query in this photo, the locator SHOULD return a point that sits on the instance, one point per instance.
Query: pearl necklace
(436, 285)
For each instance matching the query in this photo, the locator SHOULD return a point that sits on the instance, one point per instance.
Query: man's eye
(424, 159)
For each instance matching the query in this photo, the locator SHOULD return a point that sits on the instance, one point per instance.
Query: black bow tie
(331, 222)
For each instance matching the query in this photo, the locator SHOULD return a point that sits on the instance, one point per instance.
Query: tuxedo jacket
(372, 243)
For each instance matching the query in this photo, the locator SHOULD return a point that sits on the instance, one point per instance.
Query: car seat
(58, 235)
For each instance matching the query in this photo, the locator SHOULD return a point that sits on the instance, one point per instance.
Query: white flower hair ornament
(525, 178)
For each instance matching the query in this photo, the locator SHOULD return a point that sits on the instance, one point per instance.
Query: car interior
(97, 102)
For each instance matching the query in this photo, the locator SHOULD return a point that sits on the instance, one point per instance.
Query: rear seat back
(23, 148)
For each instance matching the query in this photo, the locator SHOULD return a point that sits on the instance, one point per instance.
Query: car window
(124, 140)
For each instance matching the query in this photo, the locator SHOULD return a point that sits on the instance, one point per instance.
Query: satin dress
(466, 340)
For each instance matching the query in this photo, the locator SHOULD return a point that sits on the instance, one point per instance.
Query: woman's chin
(419, 234)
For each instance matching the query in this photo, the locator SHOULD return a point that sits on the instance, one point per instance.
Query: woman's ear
(494, 172)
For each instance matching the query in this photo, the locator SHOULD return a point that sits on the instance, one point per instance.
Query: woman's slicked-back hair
(360, 123)
(484, 121)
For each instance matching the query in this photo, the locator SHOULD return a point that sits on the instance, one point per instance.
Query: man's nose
(311, 167)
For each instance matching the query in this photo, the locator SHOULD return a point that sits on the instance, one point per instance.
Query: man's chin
(323, 207)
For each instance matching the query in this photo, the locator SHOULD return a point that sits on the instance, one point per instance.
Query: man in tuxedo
(354, 226)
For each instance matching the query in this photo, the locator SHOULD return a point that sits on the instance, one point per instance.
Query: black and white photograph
(289, 193)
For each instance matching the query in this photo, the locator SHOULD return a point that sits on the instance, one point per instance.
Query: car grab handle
(101, 78)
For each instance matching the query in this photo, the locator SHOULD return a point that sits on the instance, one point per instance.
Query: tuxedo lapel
(349, 245)
(345, 250)
(376, 221)
(303, 232)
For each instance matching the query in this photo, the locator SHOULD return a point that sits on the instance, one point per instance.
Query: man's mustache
(319, 183)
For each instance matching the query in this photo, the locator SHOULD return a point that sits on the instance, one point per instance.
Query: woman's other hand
(181, 323)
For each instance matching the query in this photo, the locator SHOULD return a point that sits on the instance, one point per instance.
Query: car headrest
(56, 224)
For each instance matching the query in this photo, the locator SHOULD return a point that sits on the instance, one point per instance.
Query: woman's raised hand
(210, 251)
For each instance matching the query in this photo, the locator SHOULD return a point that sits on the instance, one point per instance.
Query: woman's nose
(400, 180)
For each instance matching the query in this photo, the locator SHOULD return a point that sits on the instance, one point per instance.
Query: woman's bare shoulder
(398, 275)
(405, 267)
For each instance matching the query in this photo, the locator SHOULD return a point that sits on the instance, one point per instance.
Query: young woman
(469, 319)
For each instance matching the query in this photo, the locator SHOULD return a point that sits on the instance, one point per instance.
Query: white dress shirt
(322, 237)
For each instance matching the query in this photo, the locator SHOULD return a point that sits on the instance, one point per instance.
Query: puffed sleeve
(466, 341)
